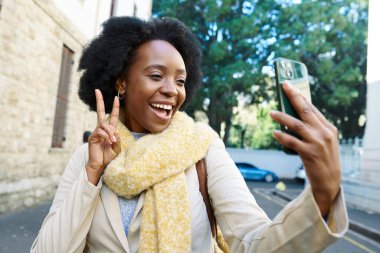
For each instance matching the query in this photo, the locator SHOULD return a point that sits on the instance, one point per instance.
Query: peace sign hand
(318, 146)
(104, 142)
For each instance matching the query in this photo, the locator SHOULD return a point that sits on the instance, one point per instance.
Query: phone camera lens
(289, 73)
(283, 69)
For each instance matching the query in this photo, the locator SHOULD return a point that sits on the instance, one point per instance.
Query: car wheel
(268, 178)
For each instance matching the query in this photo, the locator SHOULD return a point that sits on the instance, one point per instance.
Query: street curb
(281, 195)
(372, 233)
(368, 232)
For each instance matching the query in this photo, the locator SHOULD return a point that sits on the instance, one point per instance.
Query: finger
(108, 129)
(100, 110)
(289, 141)
(301, 106)
(102, 135)
(117, 135)
(116, 146)
(294, 124)
(114, 117)
(320, 116)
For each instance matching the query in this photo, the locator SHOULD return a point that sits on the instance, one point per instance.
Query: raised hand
(318, 147)
(104, 142)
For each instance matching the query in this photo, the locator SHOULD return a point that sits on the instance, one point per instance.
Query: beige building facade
(363, 188)
(40, 47)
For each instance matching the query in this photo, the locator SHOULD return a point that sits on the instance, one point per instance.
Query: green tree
(234, 48)
(252, 127)
(240, 38)
(330, 37)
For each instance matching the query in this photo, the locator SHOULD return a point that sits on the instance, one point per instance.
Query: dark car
(251, 172)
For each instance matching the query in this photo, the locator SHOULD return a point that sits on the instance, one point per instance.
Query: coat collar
(112, 210)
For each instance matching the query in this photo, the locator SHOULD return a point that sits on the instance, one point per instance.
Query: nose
(169, 88)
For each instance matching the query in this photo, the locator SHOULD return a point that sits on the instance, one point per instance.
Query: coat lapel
(112, 209)
(139, 206)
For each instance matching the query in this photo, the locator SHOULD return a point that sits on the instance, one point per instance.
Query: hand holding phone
(317, 143)
(296, 74)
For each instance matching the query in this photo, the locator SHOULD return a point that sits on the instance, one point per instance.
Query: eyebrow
(163, 67)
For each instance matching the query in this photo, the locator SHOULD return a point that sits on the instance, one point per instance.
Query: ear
(121, 85)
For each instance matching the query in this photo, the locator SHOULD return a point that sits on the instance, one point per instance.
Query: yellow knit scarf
(156, 164)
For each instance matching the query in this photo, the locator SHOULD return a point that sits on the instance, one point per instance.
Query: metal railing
(351, 151)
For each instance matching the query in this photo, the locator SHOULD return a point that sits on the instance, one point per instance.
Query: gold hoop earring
(121, 97)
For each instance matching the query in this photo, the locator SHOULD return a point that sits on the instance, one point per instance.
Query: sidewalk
(19, 229)
(363, 222)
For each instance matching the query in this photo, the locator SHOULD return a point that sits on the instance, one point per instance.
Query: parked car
(301, 174)
(251, 172)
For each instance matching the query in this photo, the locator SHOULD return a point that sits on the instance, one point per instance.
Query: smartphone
(296, 73)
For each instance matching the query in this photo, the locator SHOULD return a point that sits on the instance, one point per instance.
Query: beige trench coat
(85, 218)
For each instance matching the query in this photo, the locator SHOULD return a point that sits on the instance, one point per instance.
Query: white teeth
(166, 107)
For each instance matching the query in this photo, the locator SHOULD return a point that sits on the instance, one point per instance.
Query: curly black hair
(111, 53)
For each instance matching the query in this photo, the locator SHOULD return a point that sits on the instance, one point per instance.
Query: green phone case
(296, 73)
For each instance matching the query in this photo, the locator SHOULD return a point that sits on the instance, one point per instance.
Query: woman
(134, 187)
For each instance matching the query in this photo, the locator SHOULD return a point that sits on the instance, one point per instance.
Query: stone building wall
(32, 35)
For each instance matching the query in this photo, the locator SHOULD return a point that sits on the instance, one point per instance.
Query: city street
(19, 229)
(272, 204)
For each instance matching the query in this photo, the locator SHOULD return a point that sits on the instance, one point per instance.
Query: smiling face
(154, 86)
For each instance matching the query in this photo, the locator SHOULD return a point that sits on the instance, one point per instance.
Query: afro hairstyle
(111, 53)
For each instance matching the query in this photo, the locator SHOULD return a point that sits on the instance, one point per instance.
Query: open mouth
(162, 110)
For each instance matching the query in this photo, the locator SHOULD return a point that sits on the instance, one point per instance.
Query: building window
(62, 98)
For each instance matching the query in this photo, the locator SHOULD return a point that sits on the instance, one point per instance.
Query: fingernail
(287, 85)
(114, 138)
(273, 113)
(276, 133)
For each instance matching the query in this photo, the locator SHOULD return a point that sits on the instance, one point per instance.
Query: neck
(125, 119)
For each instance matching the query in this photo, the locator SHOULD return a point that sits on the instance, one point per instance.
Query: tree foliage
(240, 38)
(330, 37)
(252, 127)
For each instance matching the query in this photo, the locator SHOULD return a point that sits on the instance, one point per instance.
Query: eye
(155, 76)
(181, 82)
